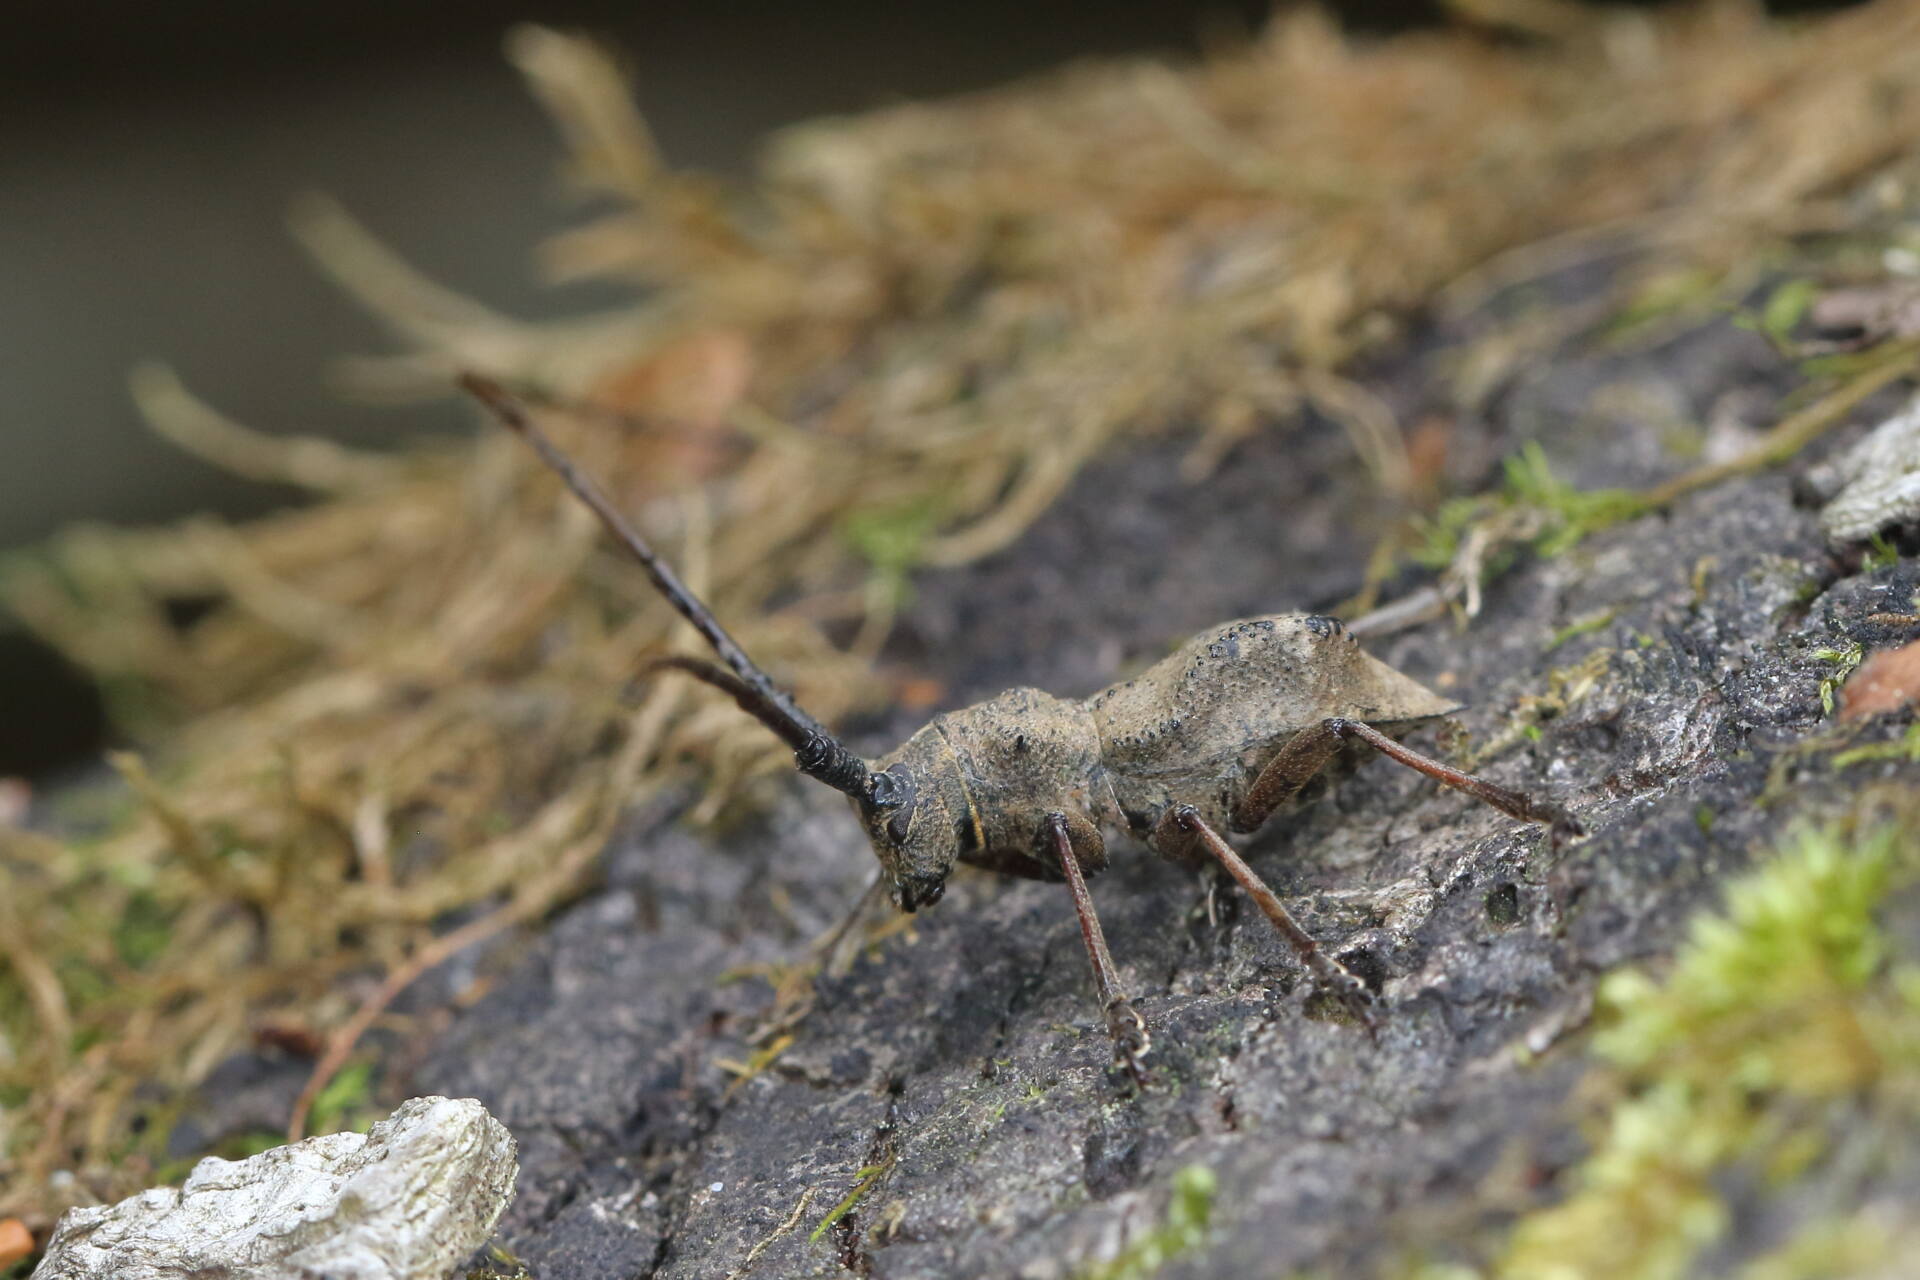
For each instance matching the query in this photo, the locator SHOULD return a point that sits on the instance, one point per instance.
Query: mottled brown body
(1197, 728)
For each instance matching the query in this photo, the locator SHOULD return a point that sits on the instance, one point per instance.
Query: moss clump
(1545, 512)
(1845, 662)
(1184, 1228)
(1788, 1000)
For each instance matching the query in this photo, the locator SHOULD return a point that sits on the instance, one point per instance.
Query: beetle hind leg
(1194, 830)
(1308, 751)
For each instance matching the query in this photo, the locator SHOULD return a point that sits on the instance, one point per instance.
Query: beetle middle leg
(1331, 973)
(1308, 751)
(1129, 1032)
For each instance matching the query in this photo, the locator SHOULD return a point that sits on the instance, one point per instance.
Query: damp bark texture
(947, 1108)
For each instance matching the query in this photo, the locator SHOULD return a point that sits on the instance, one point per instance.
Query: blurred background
(148, 155)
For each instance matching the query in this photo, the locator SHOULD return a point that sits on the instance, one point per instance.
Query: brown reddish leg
(1310, 749)
(1129, 1033)
(1331, 973)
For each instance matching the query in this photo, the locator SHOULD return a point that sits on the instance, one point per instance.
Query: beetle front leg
(1308, 751)
(1332, 974)
(1124, 1024)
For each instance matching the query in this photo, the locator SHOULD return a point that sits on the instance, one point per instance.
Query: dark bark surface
(967, 1058)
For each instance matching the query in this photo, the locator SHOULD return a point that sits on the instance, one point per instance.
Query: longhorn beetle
(1216, 735)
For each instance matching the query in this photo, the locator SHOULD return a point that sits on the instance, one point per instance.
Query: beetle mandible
(1217, 735)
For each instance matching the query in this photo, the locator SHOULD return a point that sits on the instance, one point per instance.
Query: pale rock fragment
(1876, 483)
(410, 1199)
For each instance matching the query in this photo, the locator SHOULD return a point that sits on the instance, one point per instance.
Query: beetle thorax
(983, 780)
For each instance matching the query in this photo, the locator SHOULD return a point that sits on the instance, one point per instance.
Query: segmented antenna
(817, 753)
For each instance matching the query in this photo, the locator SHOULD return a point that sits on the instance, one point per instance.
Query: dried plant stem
(535, 902)
(1797, 431)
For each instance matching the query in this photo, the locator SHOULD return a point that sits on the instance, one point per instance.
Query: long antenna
(817, 753)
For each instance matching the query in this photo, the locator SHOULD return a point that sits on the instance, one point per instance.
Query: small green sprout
(891, 540)
(1586, 624)
(1677, 291)
(1881, 553)
(1906, 747)
(1781, 314)
(1844, 662)
(1532, 504)
(349, 1091)
(863, 1183)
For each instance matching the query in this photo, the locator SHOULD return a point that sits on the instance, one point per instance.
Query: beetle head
(915, 821)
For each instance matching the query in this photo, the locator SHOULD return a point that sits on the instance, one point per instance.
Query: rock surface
(1655, 678)
(407, 1200)
(1876, 484)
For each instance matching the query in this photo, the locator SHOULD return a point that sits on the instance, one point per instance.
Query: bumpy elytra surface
(967, 1060)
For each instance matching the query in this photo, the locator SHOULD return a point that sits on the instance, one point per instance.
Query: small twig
(793, 1220)
(1423, 605)
(340, 1046)
(42, 985)
(1794, 432)
(434, 953)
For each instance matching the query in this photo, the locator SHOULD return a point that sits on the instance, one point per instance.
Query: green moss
(891, 541)
(1781, 314)
(1881, 553)
(863, 1182)
(144, 930)
(500, 1265)
(1906, 747)
(348, 1092)
(1183, 1229)
(1845, 661)
(1786, 998)
(1859, 1246)
(1556, 515)
(1675, 292)
(1581, 626)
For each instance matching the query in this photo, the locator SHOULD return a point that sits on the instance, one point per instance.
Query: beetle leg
(1129, 1032)
(1308, 751)
(832, 953)
(1332, 974)
(830, 949)
(1305, 754)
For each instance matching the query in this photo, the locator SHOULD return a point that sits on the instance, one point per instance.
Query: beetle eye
(900, 797)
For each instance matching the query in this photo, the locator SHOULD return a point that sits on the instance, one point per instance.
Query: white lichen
(410, 1199)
